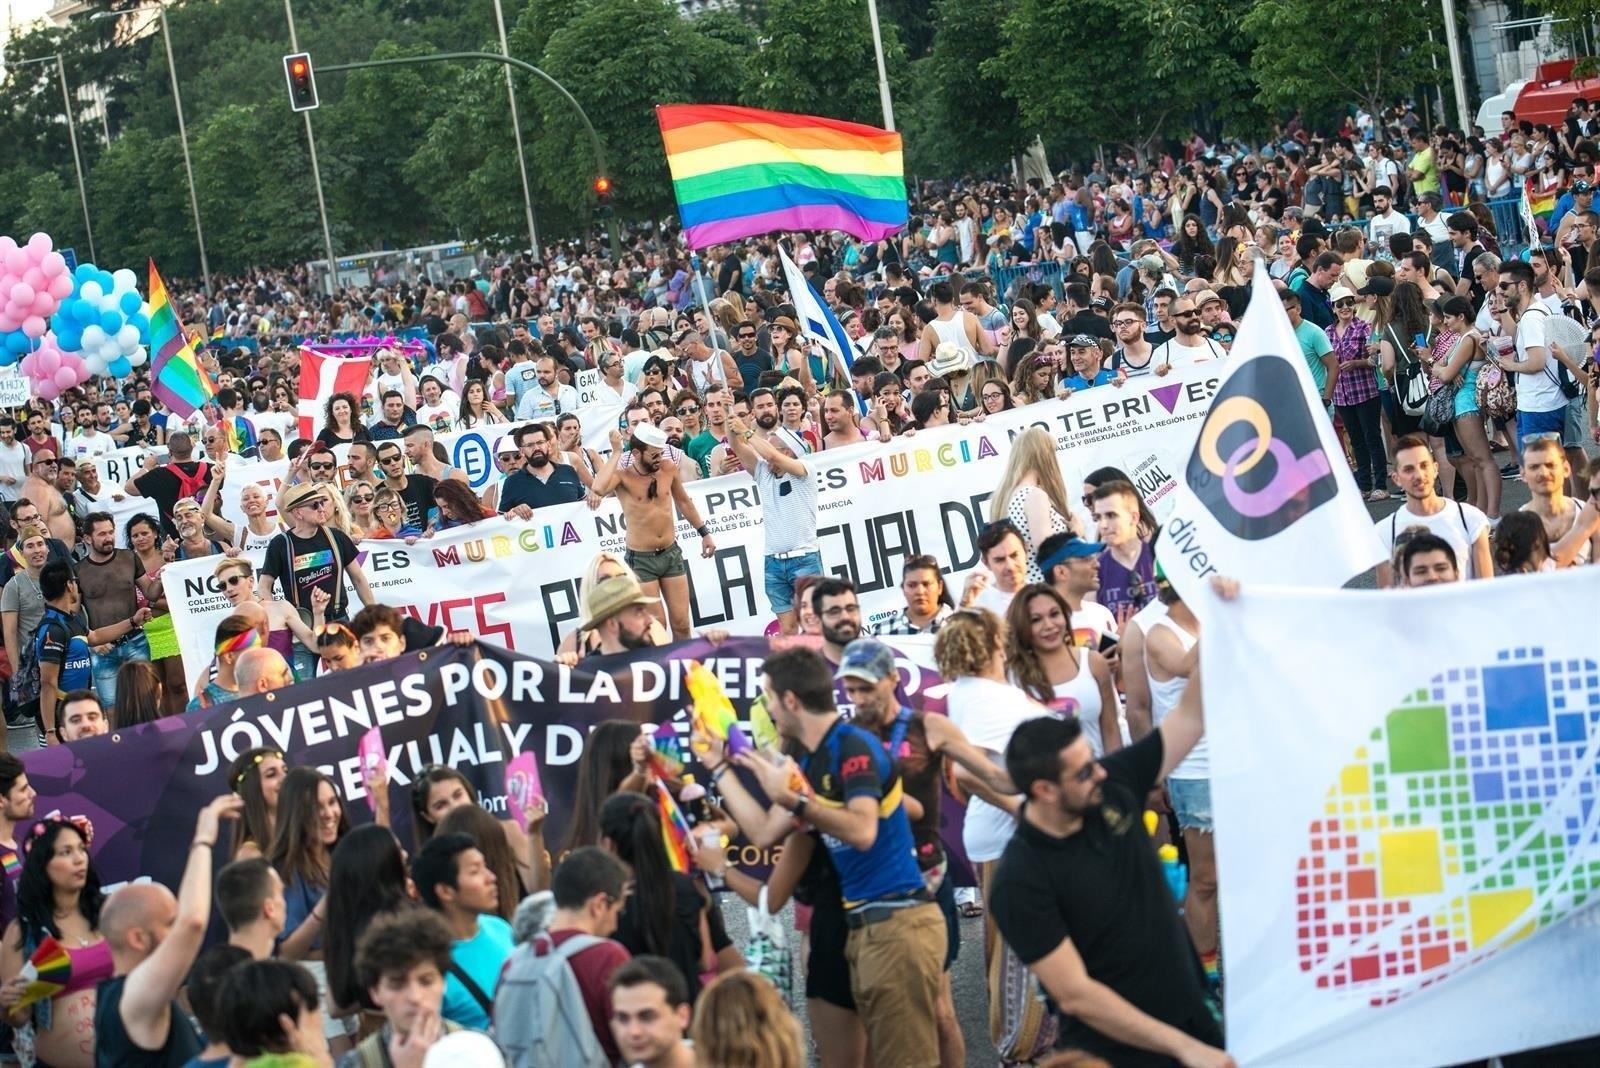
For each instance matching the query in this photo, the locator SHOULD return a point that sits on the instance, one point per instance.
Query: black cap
(1377, 285)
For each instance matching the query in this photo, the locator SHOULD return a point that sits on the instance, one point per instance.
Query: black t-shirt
(683, 946)
(302, 565)
(163, 487)
(1087, 322)
(562, 487)
(418, 498)
(1475, 287)
(1103, 888)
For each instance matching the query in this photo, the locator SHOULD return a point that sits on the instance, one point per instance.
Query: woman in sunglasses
(236, 576)
(358, 499)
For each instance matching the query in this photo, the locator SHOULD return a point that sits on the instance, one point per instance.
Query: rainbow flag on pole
(175, 375)
(742, 171)
(674, 828)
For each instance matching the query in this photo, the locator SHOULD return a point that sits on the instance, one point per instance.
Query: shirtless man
(419, 450)
(40, 488)
(648, 489)
(1545, 470)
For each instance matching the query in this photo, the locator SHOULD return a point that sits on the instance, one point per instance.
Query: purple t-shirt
(1134, 587)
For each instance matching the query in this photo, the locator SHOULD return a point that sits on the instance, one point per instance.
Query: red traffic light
(302, 82)
(602, 185)
(298, 67)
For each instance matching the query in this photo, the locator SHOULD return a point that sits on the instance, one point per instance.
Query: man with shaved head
(259, 670)
(154, 939)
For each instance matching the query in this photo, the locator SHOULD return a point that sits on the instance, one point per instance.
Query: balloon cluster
(104, 320)
(33, 282)
(67, 326)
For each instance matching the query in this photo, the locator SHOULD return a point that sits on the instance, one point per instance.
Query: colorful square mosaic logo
(1467, 822)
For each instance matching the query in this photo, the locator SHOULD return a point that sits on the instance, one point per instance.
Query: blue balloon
(142, 322)
(16, 344)
(105, 280)
(110, 322)
(83, 312)
(119, 367)
(69, 337)
(85, 272)
(130, 303)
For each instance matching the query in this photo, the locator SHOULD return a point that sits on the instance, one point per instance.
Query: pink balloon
(54, 263)
(39, 245)
(34, 277)
(17, 260)
(61, 285)
(27, 365)
(66, 378)
(46, 388)
(23, 293)
(34, 326)
(47, 361)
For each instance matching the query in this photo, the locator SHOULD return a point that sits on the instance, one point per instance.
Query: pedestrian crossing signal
(302, 84)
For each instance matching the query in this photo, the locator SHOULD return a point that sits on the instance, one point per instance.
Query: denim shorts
(1191, 802)
(781, 576)
(1576, 423)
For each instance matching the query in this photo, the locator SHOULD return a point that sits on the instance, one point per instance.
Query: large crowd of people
(1448, 361)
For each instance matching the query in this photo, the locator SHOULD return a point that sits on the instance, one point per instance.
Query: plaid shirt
(900, 623)
(1355, 385)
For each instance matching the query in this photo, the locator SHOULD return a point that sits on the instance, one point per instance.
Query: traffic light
(602, 189)
(302, 84)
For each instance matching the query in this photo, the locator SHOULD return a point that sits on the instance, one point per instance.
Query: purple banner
(472, 708)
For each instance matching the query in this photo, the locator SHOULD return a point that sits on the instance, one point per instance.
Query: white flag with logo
(1266, 496)
(321, 376)
(1408, 823)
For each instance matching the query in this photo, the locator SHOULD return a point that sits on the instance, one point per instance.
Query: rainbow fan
(48, 971)
(666, 757)
(712, 711)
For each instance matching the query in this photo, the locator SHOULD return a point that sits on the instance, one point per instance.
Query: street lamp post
(72, 135)
(183, 133)
(883, 71)
(516, 131)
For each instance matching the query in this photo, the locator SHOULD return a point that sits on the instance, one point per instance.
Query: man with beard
(672, 427)
(918, 745)
(1541, 406)
(764, 413)
(620, 614)
(540, 482)
(1189, 345)
(834, 601)
(40, 490)
(648, 490)
(1081, 898)
(546, 398)
(415, 490)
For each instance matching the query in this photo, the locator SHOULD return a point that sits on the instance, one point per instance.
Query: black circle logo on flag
(1259, 464)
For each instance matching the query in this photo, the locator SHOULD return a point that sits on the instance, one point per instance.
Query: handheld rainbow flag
(666, 754)
(712, 713)
(674, 828)
(1537, 210)
(48, 971)
(739, 171)
(175, 375)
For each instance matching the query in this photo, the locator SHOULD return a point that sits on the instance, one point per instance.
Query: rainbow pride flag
(175, 375)
(742, 171)
(674, 827)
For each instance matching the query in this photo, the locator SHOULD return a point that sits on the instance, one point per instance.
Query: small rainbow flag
(175, 375)
(48, 971)
(674, 828)
(740, 171)
(11, 863)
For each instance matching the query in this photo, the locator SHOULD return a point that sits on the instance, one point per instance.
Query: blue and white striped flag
(816, 320)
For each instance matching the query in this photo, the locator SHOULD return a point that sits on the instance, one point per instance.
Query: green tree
(273, 217)
(1367, 52)
(52, 206)
(141, 205)
(1120, 73)
(969, 114)
(818, 59)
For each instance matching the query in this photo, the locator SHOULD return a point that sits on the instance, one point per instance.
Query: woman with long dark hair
(366, 879)
(342, 427)
(140, 695)
(1409, 318)
(311, 823)
(257, 776)
(1192, 241)
(58, 897)
(458, 505)
(665, 915)
(613, 760)
(440, 791)
(476, 407)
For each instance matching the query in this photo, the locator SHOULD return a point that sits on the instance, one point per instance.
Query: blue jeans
(107, 663)
(1191, 802)
(781, 576)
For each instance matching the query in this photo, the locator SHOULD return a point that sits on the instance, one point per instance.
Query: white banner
(1267, 494)
(877, 505)
(120, 465)
(14, 391)
(1409, 857)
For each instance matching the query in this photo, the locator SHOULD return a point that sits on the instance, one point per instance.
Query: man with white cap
(648, 490)
(508, 461)
(789, 510)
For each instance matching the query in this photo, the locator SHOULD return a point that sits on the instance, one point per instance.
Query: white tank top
(1164, 698)
(703, 374)
(955, 332)
(1081, 694)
